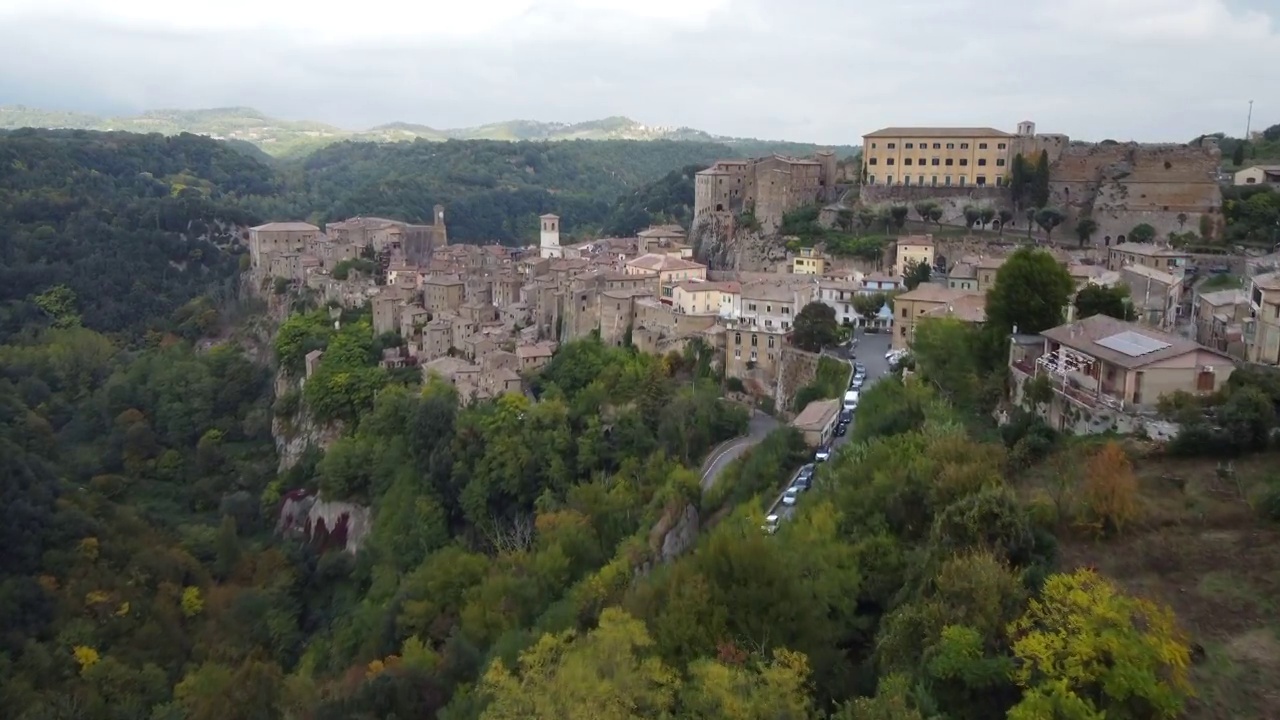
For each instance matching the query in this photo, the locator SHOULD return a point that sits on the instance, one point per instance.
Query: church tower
(439, 236)
(550, 245)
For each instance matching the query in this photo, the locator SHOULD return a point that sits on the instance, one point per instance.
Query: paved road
(761, 425)
(870, 352)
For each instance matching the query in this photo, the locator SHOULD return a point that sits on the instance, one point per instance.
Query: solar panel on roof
(1133, 344)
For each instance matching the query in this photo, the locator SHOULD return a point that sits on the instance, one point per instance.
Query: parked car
(823, 455)
(770, 524)
(790, 496)
(856, 383)
(846, 417)
(850, 400)
(806, 472)
(841, 429)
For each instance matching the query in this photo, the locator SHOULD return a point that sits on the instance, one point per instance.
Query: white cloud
(820, 70)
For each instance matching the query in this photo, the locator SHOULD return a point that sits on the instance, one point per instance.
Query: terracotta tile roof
(287, 227)
(1267, 281)
(816, 414)
(1084, 335)
(1225, 297)
(659, 262)
(929, 292)
(938, 132)
(969, 308)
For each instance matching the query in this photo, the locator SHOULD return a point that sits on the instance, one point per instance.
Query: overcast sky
(812, 70)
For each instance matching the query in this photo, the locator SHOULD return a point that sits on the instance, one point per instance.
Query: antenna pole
(1248, 123)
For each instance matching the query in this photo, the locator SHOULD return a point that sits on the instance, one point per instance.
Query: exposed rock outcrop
(298, 431)
(325, 525)
(722, 245)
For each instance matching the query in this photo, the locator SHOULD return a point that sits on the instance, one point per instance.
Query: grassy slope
(1201, 548)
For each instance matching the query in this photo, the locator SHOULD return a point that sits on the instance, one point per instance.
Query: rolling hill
(291, 138)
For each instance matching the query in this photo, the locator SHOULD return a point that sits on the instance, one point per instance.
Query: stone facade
(1169, 187)
(765, 187)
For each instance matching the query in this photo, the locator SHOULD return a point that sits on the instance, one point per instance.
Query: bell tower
(549, 247)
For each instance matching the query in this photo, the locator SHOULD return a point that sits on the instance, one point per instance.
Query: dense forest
(494, 190)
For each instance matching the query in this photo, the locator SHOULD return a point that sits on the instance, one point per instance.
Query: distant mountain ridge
(285, 138)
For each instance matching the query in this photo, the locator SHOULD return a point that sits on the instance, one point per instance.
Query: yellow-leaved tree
(1086, 650)
(1111, 488)
(602, 675)
(778, 689)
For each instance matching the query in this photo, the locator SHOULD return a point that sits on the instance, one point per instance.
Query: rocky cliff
(721, 244)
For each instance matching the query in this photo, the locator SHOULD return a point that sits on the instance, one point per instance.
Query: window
(951, 146)
(737, 338)
(904, 312)
(921, 183)
(770, 341)
(999, 162)
(888, 161)
(1001, 146)
(999, 181)
(906, 161)
(906, 180)
(873, 146)
(964, 146)
(872, 161)
(962, 177)
(950, 161)
(888, 179)
(752, 307)
(921, 162)
(935, 161)
(947, 181)
(935, 181)
(786, 310)
(909, 146)
(754, 340)
(902, 331)
(981, 181)
(964, 161)
(892, 145)
(737, 354)
(937, 146)
(982, 161)
(871, 179)
(982, 146)
(753, 356)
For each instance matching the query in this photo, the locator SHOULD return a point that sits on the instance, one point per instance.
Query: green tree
(986, 214)
(971, 216)
(935, 214)
(868, 305)
(1100, 300)
(815, 327)
(1049, 218)
(1086, 650)
(1031, 292)
(602, 674)
(1142, 233)
(946, 355)
(1237, 155)
(916, 273)
(924, 209)
(59, 303)
(899, 215)
(1085, 228)
(1005, 216)
(1040, 181)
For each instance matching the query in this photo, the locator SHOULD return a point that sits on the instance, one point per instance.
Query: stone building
(764, 187)
(441, 294)
(936, 156)
(280, 237)
(549, 237)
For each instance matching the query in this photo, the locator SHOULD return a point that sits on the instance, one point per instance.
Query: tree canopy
(1031, 293)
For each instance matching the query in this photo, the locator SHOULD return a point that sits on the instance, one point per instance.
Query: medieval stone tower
(550, 242)
(441, 237)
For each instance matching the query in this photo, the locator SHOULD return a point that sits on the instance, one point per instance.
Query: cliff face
(720, 244)
(325, 525)
(297, 431)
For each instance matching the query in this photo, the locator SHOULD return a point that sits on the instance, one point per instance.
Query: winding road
(761, 425)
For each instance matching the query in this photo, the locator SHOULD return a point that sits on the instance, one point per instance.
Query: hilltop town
(481, 315)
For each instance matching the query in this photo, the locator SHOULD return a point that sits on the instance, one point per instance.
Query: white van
(850, 400)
